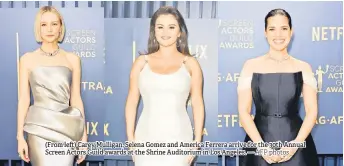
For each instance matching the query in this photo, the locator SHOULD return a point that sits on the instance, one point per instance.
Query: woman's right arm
(245, 103)
(24, 95)
(133, 97)
(23, 105)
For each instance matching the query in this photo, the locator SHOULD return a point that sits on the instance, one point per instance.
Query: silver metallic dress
(50, 118)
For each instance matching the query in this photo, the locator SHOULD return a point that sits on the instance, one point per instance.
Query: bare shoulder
(139, 63)
(73, 58)
(146, 57)
(28, 59)
(140, 60)
(303, 65)
(258, 59)
(192, 64)
(192, 61)
(253, 62)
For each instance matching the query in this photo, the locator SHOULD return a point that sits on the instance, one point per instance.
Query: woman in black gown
(275, 82)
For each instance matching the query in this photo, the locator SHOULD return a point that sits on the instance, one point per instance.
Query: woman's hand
(192, 157)
(132, 149)
(291, 151)
(23, 150)
(266, 151)
(81, 158)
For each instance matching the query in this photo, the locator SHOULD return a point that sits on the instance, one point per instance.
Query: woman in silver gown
(57, 114)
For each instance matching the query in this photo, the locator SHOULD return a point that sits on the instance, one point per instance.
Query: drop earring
(178, 42)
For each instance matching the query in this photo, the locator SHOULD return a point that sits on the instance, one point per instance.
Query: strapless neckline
(297, 72)
(42, 66)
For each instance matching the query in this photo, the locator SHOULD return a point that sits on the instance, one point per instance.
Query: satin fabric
(50, 118)
(164, 118)
(277, 100)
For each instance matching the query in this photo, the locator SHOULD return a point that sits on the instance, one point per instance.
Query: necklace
(50, 54)
(277, 60)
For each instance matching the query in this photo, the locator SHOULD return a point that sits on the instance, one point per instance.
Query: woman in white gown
(165, 77)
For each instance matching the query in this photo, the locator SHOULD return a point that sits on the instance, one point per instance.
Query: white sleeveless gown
(164, 117)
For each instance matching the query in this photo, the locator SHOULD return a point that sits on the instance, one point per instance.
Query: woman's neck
(49, 47)
(168, 51)
(278, 55)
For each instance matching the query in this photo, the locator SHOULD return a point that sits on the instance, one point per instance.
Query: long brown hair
(182, 41)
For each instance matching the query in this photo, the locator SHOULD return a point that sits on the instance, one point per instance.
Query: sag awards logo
(333, 73)
(236, 34)
(96, 86)
(92, 128)
(83, 42)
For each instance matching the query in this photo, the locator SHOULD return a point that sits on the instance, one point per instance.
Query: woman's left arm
(76, 100)
(197, 97)
(310, 102)
(309, 91)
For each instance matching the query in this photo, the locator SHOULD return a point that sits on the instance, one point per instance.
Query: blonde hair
(37, 25)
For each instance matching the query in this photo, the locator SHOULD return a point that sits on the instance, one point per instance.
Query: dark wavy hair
(275, 12)
(182, 46)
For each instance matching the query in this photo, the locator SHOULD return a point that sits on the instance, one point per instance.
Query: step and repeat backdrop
(108, 47)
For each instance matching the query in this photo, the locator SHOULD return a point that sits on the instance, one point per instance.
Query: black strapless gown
(277, 100)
